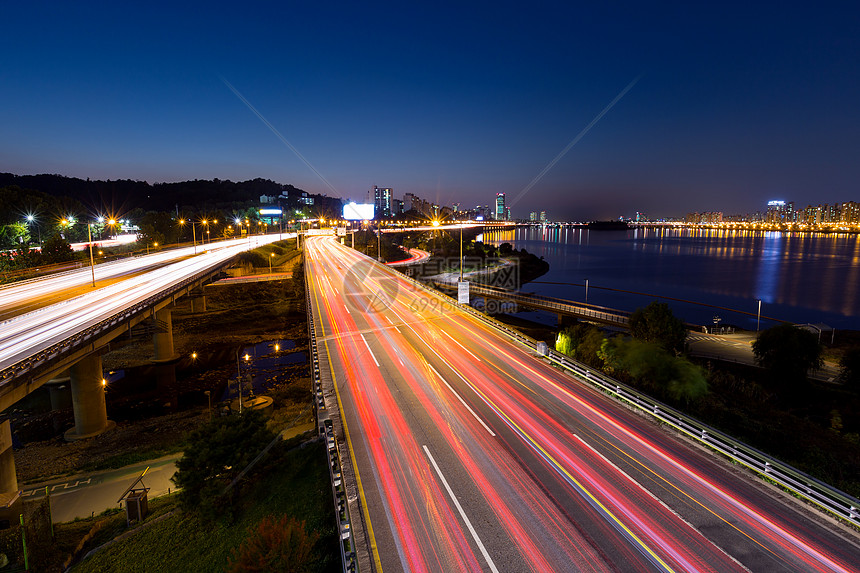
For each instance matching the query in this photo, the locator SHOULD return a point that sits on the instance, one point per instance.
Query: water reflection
(770, 259)
(801, 277)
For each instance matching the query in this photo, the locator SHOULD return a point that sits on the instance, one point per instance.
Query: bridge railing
(82, 337)
(796, 482)
(599, 313)
(348, 558)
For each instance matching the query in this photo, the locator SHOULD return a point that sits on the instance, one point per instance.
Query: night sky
(735, 104)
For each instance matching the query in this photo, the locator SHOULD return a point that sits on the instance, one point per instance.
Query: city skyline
(663, 111)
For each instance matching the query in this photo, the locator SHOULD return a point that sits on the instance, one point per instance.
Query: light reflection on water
(800, 277)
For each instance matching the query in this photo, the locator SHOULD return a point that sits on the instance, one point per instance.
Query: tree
(788, 352)
(581, 341)
(655, 369)
(214, 456)
(850, 363)
(276, 545)
(656, 323)
(57, 250)
(159, 227)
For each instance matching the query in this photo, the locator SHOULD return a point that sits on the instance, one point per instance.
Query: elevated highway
(64, 340)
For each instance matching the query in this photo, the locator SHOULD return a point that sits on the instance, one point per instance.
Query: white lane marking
(658, 500)
(369, 350)
(462, 513)
(346, 309)
(460, 345)
(461, 400)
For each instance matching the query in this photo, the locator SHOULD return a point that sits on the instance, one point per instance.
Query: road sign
(463, 292)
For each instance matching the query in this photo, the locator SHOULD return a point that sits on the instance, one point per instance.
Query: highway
(471, 454)
(28, 333)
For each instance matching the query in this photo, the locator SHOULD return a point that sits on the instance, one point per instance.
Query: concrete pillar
(8, 478)
(88, 399)
(60, 391)
(198, 304)
(162, 339)
(566, 320)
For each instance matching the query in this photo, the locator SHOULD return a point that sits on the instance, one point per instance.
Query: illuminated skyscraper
(381, 201)
(780, 212)
(500, 207)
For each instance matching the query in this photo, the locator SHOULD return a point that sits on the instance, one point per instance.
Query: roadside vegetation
(290, 485)
(814, 426)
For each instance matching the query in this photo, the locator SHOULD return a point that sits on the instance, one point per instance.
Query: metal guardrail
(82, 337)
(791, 479)
(348, 558)
(798, 483)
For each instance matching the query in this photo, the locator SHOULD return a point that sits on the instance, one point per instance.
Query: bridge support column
(162, 338)
(88, 399)
(565, 320)
(60, 391)
(165, 357)
(8, 478)
(198, 301)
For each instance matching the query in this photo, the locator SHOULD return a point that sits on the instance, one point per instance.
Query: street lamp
(193, 233)
(270, 262)
(92, 263)
(758, 317)
(461, 252)
(31, 219)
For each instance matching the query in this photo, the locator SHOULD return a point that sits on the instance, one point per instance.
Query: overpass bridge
(65, 341)
(561, 307)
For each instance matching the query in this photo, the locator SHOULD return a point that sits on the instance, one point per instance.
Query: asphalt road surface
(88, 494)
(474, 455)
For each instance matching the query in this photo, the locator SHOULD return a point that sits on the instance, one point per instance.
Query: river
(799, 277)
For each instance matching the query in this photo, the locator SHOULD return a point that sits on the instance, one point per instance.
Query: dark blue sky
(737, 103)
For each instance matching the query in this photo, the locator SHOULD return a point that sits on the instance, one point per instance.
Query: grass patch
(82, 535)
(292, 483)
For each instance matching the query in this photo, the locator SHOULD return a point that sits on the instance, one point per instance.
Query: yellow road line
(373, 548)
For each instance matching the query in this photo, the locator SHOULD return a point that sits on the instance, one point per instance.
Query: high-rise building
(382, 202)
(500, 207)
(543, 216)
(533, 216)
(780, 212)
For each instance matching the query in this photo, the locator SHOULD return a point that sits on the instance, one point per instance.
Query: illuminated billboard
(358, 211)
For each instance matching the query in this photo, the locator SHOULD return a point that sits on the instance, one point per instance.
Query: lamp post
(461, 251)
(758, 316)
(270, 262)
(31, 219)
(586, 290)
(193, 233)
(239, 378)
(92, 262)
(209, 397)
